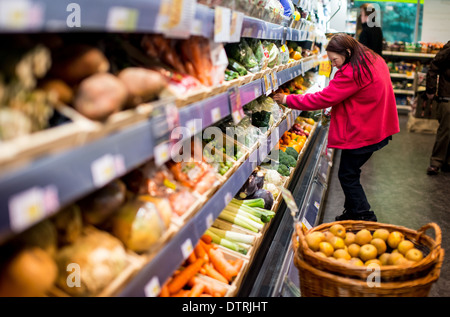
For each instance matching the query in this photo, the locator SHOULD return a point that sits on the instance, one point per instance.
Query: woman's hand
(279, 98)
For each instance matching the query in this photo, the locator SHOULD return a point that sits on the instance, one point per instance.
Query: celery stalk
(233, 236)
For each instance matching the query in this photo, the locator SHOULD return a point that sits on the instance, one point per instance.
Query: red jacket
(361, 115)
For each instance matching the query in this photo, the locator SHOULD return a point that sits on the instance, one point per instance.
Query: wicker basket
(431, 249)
(316, 283)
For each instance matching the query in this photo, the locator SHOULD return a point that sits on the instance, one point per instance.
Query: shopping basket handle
(437, 232)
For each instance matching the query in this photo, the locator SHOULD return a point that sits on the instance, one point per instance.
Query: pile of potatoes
(363, 247)
(80, 76)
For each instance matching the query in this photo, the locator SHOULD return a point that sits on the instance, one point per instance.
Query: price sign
(236, 109)
(274, 80)
(290, 201)
(325, 68)
(222, 24)
(103, 170)
(175, 18)
(267, 84)
(122, 19)
(216, 115)
(32, 205)
(153, 287)
(162, 153)
(228, 197)
(237, 19)
(187, 248)
(209, 220)
(21, 14)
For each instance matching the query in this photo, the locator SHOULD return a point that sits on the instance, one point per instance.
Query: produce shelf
(408, 54)
(171, 256)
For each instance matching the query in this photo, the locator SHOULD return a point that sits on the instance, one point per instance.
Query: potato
(143, 84)
(100, 95)
(77, 62)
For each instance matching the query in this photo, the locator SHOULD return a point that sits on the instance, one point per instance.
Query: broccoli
(292, 152)
(283, 170)
(288, 160)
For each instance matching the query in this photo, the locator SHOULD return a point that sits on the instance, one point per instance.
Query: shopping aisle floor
(400, 192)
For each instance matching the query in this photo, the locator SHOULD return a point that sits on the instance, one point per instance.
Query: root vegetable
(143, 84)
(77, 62)
(100, 95)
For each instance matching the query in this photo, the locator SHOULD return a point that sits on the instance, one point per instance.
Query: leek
(233, 236)
(240, 221)
(225, 242)
(235, 209)
(263, 214)
(252, 220)
(256, 202)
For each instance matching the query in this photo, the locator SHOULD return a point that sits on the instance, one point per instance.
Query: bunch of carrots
(206, 259)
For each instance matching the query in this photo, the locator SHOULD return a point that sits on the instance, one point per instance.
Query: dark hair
(359, 56)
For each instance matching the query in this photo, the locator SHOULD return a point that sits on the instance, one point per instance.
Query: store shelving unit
(413, 77)
(50, 182)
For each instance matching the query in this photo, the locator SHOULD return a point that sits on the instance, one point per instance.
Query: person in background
(371, 34)
(440, 66)
(363, 116)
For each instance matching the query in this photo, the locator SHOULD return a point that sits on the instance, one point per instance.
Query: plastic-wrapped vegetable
(261, 54)
(242, 53)
(273, 177)
(230, 75)
(274, 53)
(236, 66)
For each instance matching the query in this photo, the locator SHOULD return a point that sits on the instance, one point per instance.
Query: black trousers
(441, 149)
(349, 176)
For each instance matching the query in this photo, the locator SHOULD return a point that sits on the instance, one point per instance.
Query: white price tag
(209, 220)
(257, 91)
(161, 153)
(21, 14)
(222, 24)
(267, 84)
(153, 287)
(120, 167)
(306, 224)
(237, 19)
(187, 248)
(274, 81)
(122, 19)
(317, 205)
(103, 170)
(175, 18)
(227, 198)
(32, 205)
(191, 126)
(216, 115)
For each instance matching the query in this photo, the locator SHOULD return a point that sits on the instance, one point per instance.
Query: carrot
(238, 264)
(191, 258)
(205, 246)
(181, 279)
(200, 251)
(164, 291)
(211, 288)
(202, 270)
(221, 264)
(197, 290)
(212, 272)
(182, 293)
(205, 295)
(207, 239)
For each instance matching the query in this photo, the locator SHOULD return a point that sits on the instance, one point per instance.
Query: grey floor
(400, 192)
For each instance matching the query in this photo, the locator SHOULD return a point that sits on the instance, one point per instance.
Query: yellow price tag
(325, 68)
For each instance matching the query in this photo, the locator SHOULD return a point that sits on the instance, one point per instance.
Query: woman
(363, 117)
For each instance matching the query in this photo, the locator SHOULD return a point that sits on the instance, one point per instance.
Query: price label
(153, 287)
(325, 68)
(236, 109)
(257, 91)
(209, 220)
(216, 115)
(290, 201)
(187, 248)
(162, 153)
(222, 24)
(21, 14)
(122, 19)
(267, 84)
(237, 19)
(103, 170)
(32, 205)
(317, 205)
(191, 125)
(175, 18)
(306, 224)
(274, 81)
(302, 67)
(227, 198)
